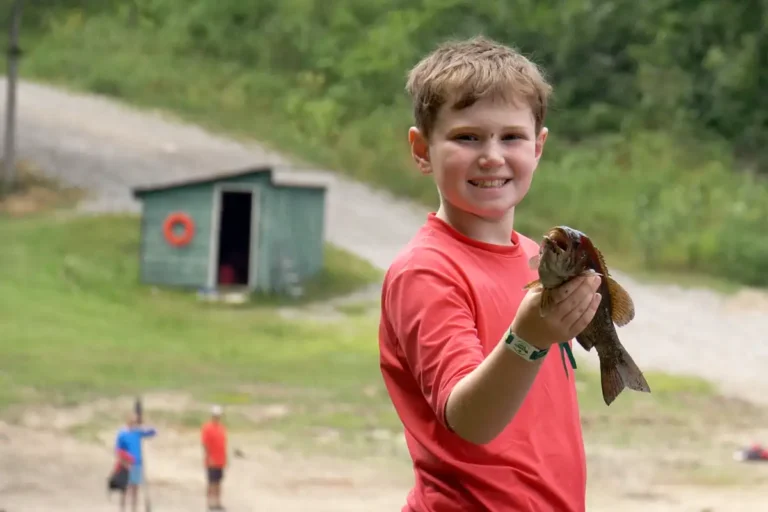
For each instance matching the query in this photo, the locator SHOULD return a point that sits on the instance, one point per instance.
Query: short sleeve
(432, 316)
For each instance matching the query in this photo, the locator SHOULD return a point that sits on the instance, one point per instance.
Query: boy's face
(482, 157)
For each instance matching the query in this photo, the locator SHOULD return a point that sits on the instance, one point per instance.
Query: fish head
(561, 256)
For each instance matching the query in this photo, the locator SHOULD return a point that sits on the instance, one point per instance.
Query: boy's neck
(490, 231)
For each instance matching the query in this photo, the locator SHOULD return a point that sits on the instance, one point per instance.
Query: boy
(129, 440)
(491, 422)
(213, 436)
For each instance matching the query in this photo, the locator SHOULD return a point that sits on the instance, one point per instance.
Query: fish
(566, 253)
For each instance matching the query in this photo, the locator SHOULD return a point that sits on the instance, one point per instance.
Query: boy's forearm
(483, 403)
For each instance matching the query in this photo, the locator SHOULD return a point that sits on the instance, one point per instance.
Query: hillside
(657, 126)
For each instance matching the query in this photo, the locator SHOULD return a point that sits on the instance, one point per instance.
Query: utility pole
(14, 52)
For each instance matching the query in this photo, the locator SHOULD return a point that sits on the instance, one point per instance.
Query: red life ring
(186, 235)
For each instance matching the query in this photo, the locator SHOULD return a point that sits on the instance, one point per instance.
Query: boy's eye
(471, 137)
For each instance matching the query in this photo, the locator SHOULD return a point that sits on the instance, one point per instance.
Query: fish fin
(547, 303)
(586, 339)
(594, 256)
(532, 284)
(619, 371)
(533, 262)
(622, 306)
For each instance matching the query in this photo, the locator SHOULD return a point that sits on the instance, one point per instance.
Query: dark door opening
(235, 238)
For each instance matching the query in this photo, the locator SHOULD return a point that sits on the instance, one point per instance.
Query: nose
(491, 156)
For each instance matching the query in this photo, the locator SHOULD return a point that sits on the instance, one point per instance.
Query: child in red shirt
(491, 419)
(213, 435)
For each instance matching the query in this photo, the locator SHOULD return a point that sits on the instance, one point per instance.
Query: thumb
(533, 296)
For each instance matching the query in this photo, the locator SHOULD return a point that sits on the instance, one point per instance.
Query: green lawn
(76, 321)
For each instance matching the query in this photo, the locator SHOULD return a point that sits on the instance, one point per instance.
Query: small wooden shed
(250, 228)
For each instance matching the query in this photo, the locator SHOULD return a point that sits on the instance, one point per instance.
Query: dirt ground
(57, 459)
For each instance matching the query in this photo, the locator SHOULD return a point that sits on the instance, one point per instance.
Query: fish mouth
(486, 183)
(558, 240)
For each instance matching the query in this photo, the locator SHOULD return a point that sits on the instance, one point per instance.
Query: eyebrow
(507, 128)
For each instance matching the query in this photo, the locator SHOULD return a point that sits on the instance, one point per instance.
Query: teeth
(489, 183)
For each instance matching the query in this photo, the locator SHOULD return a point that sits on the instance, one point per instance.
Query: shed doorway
(235, 232)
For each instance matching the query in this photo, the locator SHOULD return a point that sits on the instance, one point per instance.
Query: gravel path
(97, 142)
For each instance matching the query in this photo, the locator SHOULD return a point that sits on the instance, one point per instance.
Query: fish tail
(618, 371)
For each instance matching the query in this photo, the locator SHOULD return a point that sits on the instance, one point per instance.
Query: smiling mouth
(489, 183)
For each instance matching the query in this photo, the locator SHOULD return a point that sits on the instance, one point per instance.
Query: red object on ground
(227, 274)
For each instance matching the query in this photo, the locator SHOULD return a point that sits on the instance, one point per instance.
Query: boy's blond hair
(462, 72)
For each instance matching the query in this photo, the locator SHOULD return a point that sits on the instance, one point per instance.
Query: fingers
(566, 290)
(577, 305)
(574, 307)
(580, 294)
(579, 318)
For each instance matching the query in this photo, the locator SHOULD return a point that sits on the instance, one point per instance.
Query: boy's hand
(574, 305)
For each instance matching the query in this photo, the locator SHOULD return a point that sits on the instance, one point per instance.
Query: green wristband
(522, 348)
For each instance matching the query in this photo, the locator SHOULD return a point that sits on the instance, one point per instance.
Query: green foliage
(657, 104)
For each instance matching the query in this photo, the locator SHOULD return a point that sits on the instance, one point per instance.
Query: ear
(540, 140)
(419, 150)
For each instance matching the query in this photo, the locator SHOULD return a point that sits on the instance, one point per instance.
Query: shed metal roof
(279, 177)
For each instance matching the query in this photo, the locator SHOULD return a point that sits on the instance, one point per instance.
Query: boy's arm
(473, 396)
(148, 432)
(484, 402)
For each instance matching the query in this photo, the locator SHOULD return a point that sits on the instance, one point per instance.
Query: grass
(342, 274)
(682, 278)
(77, 323)
(683, 433)
(33, 192)
(679, 405)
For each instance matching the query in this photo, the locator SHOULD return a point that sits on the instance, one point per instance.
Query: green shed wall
(176, 266)
(291, 224)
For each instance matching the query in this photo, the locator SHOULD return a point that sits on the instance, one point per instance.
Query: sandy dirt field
(57, 460)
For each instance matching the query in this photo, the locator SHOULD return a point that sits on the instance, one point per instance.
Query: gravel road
(100, 144)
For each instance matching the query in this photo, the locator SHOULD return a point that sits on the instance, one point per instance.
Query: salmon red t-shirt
(447, 301)
(214, 438)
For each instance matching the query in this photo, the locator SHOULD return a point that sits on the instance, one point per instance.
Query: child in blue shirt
(129, 440)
